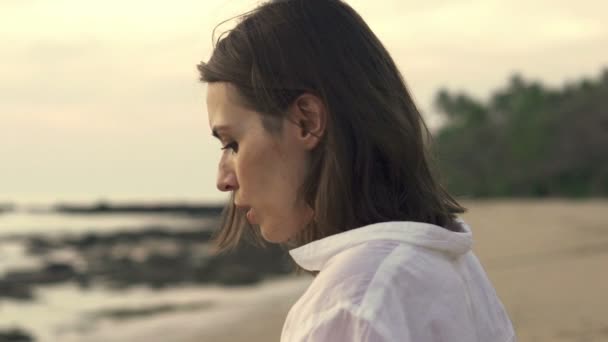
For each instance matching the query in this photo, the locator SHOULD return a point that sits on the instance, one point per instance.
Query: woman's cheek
(245, 168)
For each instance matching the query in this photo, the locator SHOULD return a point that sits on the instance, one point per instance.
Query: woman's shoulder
(370, 280)
(381, 270)
(402, 288)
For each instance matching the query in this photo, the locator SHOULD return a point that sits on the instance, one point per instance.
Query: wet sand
(262, 323)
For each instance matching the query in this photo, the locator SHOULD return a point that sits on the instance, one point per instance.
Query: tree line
(526, 140)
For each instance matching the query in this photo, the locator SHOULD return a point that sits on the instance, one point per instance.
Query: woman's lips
(251, 216)
(250, 213)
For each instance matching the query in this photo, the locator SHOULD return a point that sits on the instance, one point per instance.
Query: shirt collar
(313, 255)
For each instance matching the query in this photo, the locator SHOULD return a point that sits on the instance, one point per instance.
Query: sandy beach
(548, 261)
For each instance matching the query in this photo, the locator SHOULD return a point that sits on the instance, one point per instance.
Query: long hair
(373, 163)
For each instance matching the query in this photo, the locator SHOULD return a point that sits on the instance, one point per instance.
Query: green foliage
(527, 140)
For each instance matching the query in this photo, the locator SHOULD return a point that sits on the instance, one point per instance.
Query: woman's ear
(309, 113)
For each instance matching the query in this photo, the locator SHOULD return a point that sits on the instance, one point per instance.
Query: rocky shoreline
(15, 335)
(155, 257)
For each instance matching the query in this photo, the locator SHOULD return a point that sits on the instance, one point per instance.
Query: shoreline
(541, 257)
(268, 301)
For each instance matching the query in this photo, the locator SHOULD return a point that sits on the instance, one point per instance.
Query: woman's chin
(272, 235)
(268, 237)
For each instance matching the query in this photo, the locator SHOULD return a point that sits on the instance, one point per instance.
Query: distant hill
(526, 140)
(108, 208)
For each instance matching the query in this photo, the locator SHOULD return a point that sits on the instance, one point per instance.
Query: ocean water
(44, 223)
(68, 312)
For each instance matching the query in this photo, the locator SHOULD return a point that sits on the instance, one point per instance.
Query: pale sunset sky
(101, 99)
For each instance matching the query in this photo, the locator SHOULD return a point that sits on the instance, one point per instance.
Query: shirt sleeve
(345, 325)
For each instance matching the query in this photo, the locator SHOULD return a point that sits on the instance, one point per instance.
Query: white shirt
(396, 281)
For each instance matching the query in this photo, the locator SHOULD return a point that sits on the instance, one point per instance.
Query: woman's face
(263, 170)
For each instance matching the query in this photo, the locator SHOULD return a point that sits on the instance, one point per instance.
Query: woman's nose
(226, 181)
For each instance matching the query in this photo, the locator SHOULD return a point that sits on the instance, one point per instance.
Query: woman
(324, 153)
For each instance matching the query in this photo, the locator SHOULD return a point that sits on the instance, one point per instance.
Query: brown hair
(372, 165)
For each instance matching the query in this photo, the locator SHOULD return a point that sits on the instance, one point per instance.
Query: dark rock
(15, 290)
(49, 274)
(57, 272)
(38, 245)
(93, 240)
(15, 335)
(107, 258)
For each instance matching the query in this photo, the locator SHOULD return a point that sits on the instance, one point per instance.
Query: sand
(241, 313)
(262, 321)
(548, 261)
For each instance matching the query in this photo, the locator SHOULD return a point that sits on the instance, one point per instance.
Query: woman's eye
(234, 146)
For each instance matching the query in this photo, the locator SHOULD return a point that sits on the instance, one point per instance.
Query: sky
(101, 99)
